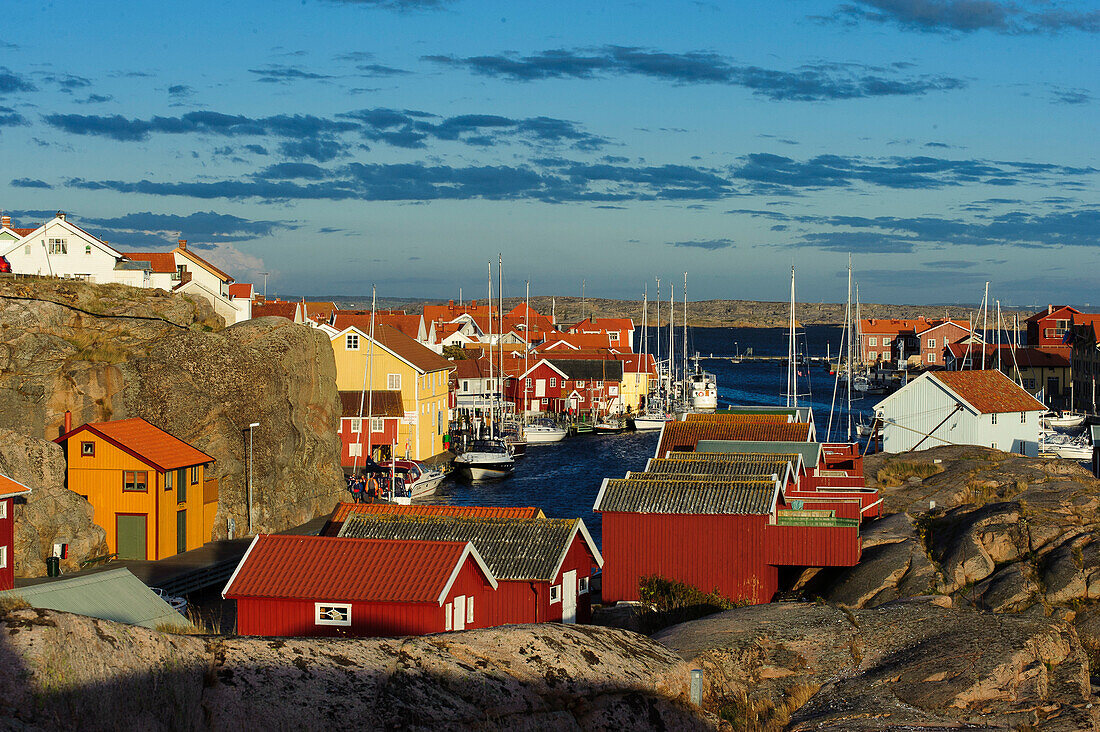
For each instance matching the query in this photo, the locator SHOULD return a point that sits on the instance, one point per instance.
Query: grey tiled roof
(685, 496)
(585, 369)
(749, 465)
(514, 549)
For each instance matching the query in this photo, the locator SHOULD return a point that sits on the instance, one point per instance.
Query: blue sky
(337, 144)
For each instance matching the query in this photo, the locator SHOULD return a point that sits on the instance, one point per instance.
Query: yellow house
(639, 375)
(148, 488)
(396, 362)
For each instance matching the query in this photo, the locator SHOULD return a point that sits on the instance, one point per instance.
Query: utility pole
(265, 274)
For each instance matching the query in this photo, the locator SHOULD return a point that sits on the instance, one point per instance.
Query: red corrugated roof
(150, 443)
(241, 289)
(343, 510)
(161, 262)
(1024, 357)
(1053, 312)
(288, 310)
(26, 232)
(756, 428)
(989, 391)
(349, 570)
(9, 487)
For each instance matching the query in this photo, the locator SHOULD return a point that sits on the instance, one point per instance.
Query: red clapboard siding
(806, 546)
(7, 539)
(725, 551)
(578, 558)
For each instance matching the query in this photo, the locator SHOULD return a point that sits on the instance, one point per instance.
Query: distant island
(702, 314)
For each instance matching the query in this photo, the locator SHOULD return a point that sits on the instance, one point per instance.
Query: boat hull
(542, 436)
(650, 423)
(487, 471)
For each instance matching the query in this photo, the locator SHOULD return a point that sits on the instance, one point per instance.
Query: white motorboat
(1065, 419)
(542, 432)
(702, 390)
(419, 480)
(486, 460)
(652, 420)
(1071, 448)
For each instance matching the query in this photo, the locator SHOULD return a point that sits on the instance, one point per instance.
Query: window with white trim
(582, 586)
(613, 336)
(555, 593)
(872, 341)
(993, 418)
(553, 381)
(3, 509)
(447, 616)
(351, 341)
(377, 424)
(3, 557)
(356, 424)
(469, 610)
(931, 342)
(58, 246)
(332, 613)
(393, 382)
(355, 449)
(931, 358)
(1023, 417)
(527, 383)
(580, 384)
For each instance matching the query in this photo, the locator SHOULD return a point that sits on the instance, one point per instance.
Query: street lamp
(250, 428)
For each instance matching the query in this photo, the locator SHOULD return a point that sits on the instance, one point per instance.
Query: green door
(181, 532)
(131, 536)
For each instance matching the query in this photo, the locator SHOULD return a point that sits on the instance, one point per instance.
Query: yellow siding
(100, 478)
(423, 396)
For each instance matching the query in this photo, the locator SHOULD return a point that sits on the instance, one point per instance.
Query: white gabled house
(960, 408)
(60, 248)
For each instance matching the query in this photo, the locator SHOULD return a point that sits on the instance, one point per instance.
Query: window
(469, 609)
(580, 384)
(599, 384)
(1023, 417)
(994, 418)
(351, 342)
(931, 358)
(355, 450)
(328, 613)
(135, 480)
(872, 341)
(194, 474)
(613, 336)
(27, 249)
(377, 424)
(3, 509)
(87, 249)
(393, 382)
(885, 341)
(356, 424)
(931, 342)
(582, 586)
(87, 449)
(447, 616)
(545, 401)
(58, 246)
(3, 557)
(553, 381)
(168, 480)
(465, 386)
(993, 445)
(527, 383)
(555, 593)
(180, 269)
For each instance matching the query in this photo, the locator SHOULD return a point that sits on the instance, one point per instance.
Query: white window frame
(58, 246)
(356, 425)
(931, 343)
(393, 382)
(447, 610)
(931, 358)
(3, 557)
(355, 449)
(553, 382)
(377, 424)
(993, 418)
(872, 341)
(3, 509)
(351, 342)
(1023, 417)
(555, 594)
(580, 384)
(343, 607)
(613, 336)
(469, 610)
(582, 586)
(527, 383)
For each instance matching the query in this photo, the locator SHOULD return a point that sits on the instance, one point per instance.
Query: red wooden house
(934, 340)
(9, 491)
(372, 434)
(325, 586)
(343, 510)
(543, 566)
(1047, 328)
(620, 331)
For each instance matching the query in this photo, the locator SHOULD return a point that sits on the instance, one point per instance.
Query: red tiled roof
(577, 340)
(203, 263)
(343, 510)
(282, 309)
(241, 289)
(26, 232)
(162, 262)
(349, 570)
(319, 311)
(9, 487)
(147, 442)
(1024, 357)
(590, 325)
(988, 391)
(879, 326)
(1053, 311)
(416, 353)
(469, 368)
(964, 324)
(755, 428)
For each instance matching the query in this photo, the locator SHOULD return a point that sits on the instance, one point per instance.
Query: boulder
(51, 514)
(61, 671)
(885, 572)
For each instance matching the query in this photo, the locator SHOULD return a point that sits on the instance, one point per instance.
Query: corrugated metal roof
(589, 369)
(382, 403)
(752, 465)
(673, 496)
(989, 391)
(681, 435)
(115, 594)
(810, 451)
(151, 443)
(330, 568)
(514, 549)
(742, 415)
(343, 510)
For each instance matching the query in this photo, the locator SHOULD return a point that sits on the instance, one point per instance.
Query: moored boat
(419, 480)
(1065, 419)
(652, 420)
(542, 432)
(486, 460)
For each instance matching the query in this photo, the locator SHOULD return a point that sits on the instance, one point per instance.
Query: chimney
(5, 221)
(451, 304)
(61, 215)
(68, 421)
(183, 243)
(1050, 309)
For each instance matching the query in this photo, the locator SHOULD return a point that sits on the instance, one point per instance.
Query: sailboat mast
(500, 328)
(684, 358)
(526, 335)
(792, 397)
(997, 327)
(657, 339)
(671, 335)
(363, 392)
(492, 392)
(848, 335)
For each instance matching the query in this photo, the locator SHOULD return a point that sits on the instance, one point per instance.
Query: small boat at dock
(486, 460)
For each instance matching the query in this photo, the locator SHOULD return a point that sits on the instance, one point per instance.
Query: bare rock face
(51, 513)
(111, 352)
(61, 671)
(903, 664)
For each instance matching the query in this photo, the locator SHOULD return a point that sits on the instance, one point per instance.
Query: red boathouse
(327, 586)
(9, 490)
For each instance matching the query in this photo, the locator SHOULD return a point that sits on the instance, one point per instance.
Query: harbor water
(563, 478)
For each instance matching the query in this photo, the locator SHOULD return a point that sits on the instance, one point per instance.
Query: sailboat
(652, 418)
(487, 459)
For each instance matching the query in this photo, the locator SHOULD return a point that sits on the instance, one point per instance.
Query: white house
(960, 408)
(59, 248)
(183, 271)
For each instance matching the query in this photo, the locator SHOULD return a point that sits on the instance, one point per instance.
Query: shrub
(669, 602)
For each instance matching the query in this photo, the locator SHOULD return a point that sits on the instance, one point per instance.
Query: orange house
(146, 486)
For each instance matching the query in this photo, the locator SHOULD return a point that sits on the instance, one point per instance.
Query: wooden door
(130, 531)
(459, 622)
(181, 532)
(569, 597)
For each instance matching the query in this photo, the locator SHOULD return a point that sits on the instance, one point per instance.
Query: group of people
(363, 487)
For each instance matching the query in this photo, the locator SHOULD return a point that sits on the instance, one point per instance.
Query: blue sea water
(563, 478)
